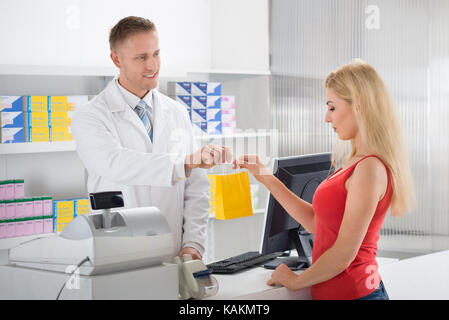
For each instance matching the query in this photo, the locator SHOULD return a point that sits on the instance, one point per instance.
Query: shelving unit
(67, 146)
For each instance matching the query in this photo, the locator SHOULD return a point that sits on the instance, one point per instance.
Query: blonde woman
(349, 207)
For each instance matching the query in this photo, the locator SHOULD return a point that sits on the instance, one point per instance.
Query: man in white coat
(132, 138)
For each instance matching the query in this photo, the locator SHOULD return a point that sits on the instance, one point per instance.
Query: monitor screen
(301, 175)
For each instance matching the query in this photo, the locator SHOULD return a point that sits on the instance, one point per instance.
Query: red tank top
(361, 277)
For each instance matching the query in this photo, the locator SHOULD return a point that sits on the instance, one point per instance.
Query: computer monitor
(301, 175)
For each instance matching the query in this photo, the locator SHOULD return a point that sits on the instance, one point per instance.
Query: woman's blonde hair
(361, 86)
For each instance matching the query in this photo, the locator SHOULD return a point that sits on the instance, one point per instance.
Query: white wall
(240, 32)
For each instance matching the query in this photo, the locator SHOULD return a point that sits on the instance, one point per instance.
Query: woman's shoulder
(371, 168)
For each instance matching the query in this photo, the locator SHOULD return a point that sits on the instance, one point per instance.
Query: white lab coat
(119, 156)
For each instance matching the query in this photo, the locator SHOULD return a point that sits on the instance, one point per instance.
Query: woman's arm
(299, 209)
(366, 187)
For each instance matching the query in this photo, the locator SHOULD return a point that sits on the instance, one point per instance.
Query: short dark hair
(127, 27)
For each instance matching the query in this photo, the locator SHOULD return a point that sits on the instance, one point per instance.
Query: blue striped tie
(143, 115)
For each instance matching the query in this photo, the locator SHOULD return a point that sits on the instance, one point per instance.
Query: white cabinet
(71, 37)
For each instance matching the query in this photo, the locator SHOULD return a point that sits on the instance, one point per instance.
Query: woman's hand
(254, 165)
(283, 276)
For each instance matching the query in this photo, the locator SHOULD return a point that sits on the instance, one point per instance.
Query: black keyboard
(240, 262)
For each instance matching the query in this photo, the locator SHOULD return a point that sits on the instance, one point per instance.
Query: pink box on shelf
(227, 102)
(28, 208)
(47, 206)
(29, 227)
(226, 118)
(2, 210)
(9, 190)
(10, 210)
(20, 228)
(2, 190)
(10, 229)
(37, 207)
(19, 189)
(38, 226)
(48, 225)
(2, 230)
(19, 206)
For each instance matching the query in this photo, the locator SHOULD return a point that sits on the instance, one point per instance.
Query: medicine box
(38, 119)
(226, 117)
(199, 115)
(213, 114)
(199, 128)
(214, 127)
(66, 103)
(38, 134)
(37, 103)
(8, 189)
(48, 224)
(63, 209)
(206, 88)
(60, 134)
(60, 118)
(227, 102)
(214, 89)
(11, 103)
(228, 111)
(12, 119)
(38, 207)
(57, 103)
(47, 206)
(186, 101)
(12, 135)
(19, 189)
(213, 102)
(199, 89)
(81, 206)
(199, 102)
(63, 213)
(179, 88)
(2, 210)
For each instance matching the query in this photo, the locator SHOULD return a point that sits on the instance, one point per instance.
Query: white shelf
(37, 147)
(230, 71)
(67, 146)
(7, 243)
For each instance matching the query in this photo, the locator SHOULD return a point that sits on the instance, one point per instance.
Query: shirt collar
(131, 99)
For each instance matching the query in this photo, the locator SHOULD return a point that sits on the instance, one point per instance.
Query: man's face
(139, 62)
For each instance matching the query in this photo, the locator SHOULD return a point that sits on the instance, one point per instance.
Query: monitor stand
(293, 263)
(303, 243)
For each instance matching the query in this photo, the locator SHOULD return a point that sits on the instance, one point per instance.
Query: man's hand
(207, 157)
(189, 250)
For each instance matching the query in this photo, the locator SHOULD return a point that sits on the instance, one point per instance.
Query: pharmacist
(132, 138)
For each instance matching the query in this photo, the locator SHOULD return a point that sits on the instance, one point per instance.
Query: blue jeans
(379, 294)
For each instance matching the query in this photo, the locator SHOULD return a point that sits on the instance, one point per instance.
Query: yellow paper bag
(230, 195)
